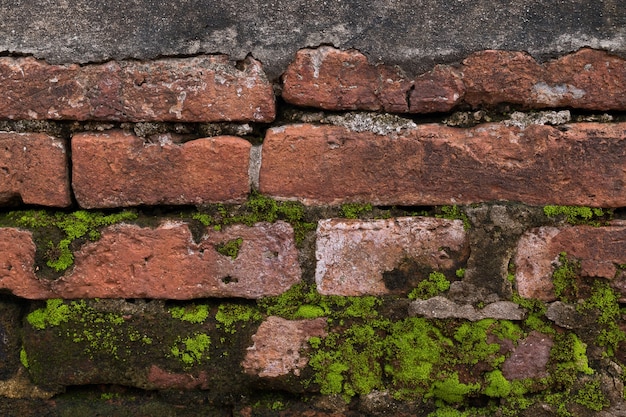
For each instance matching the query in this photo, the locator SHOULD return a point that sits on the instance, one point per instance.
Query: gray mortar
(378, 123)
(413, 34)
(554, 118)
(493, 237)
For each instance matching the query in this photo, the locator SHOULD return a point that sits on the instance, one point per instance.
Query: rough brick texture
(166, 263)
(118, 169)
(354, 256)
(278, 344)
(435, 164)
(201, 89)
(332, 79)
(600, 251)
(395, 312)
(33, 170)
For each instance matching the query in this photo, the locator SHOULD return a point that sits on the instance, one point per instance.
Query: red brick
(353, 255)
(599, 249)
(133, 262)
(495, 77)
(439, 90)
(199, 89)
(434, 164)
(278, 344)
(588, 79)
(34, 170)
(118, 169)
(17, 264)
(332, 79)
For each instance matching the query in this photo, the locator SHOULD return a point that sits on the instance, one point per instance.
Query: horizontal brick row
(209, 88)
(333, 79)
(199, 89)
(577, 164)
(118, 169)
(354, 257)
(165, 263)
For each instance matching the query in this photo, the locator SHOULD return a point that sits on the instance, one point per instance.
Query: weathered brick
(600, 251)
(332, 79)
(17, 264)
(278, 344)
(133, 262)
(199, 89)
(496, 77)
(529, 358)
(434, 164)
(588, 79)
(377, 257)
(118, 169)
(439, 90)
(33, 170)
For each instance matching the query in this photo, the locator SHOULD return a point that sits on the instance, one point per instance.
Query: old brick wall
(186, 236)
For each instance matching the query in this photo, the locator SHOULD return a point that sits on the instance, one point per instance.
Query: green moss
(559, 401)
(230, 248)
(605, 303)
(569, 356)
(193, 314)
(258, 208)
(435, 284)
(24, 358)
(591, 396)
(348, 364)
(229, 314)
(414, 347)
(564, 278)
(451, 390)
(454, 213)
(55, 313)
(447, 411)
(472, 346)
(576, 215)
(535, 319)
(497, 385)
(354, 210)
(460, 273)
(97, 332)
(192, 350)
(303, 301)
(76, 225)
(308, 311)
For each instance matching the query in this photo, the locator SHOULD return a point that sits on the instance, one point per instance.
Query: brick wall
(185, 236)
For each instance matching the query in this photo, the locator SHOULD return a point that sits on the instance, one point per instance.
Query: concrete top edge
(414, 34)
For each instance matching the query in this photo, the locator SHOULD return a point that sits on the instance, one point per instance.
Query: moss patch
(578, 215)
(435, 284)
(192, 350)
(564, 278)
(192, 313)
(228, 315)
(70, 227)
(230, 248)
(257, 208)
